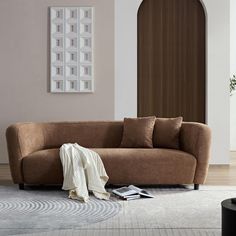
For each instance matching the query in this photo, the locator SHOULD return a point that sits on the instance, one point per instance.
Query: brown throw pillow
(138, 132)
(166, 132)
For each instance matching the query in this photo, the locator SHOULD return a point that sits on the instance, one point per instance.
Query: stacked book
(131, 192)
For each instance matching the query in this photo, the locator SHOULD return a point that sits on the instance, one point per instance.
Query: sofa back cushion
(166, 132)
(91, 134)
(138, 132)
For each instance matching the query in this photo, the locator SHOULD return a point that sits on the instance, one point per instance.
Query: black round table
(228, 218)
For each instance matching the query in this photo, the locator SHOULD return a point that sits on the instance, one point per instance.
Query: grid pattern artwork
(71, 49)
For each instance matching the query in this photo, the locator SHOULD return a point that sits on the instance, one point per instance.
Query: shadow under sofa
(33, 150)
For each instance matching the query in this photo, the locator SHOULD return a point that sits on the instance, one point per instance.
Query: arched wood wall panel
(171, 59)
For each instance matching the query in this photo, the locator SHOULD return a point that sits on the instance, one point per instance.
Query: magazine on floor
(131, 192)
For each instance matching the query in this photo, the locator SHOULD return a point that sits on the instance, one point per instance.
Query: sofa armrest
(195, 138)
(22, 139)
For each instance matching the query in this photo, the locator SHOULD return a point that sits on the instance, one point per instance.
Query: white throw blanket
(83, 170)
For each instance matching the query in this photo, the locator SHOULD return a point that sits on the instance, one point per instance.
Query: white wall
(233, 71)
(125, 58)
(218, 78)
(217, 74)
(24, 67)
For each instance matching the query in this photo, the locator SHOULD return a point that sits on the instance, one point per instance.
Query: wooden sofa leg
(196, 186)
(21, 186)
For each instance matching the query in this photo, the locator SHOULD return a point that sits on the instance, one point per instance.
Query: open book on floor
(131, 192)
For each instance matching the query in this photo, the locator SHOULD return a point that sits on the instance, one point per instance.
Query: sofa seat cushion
(43, 167)
(123, 166)
(148, 166)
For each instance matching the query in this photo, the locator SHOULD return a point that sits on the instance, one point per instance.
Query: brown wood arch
(172, 59)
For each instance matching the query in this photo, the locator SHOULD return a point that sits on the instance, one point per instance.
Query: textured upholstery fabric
(22, 139)
(148, 166)
(152, 166)
(25, 138)
(88, 134)
(166, 132)
(43, 167)
(34, 156)
(195, 138)
(138, 132)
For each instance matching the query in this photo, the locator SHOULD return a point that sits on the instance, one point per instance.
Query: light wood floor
(217, 175)
(223, 174)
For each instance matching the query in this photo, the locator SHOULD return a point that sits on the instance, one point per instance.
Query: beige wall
(24, 66)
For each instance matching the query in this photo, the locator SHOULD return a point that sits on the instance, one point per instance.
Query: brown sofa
(34, 153)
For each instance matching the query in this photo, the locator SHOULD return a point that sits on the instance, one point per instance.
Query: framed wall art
(71, 48)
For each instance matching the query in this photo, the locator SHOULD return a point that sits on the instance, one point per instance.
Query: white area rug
(173, 211)
(43, 210)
